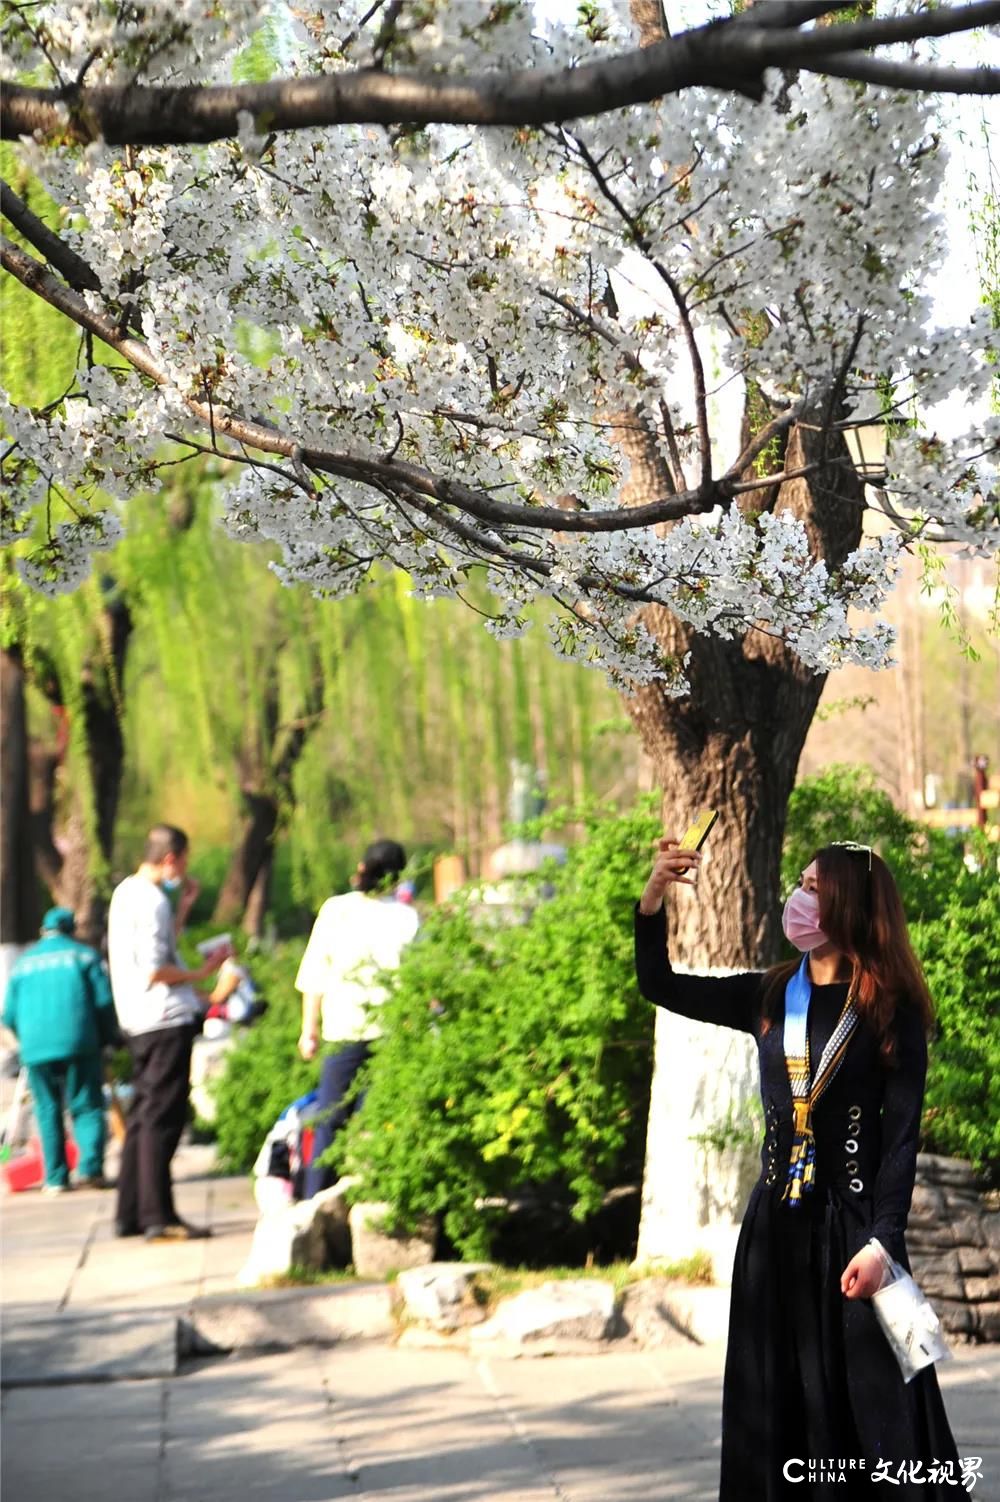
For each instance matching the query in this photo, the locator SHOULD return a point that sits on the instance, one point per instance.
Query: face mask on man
(171, 883)
(800, 920)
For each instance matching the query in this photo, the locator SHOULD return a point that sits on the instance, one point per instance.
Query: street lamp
(867, 445)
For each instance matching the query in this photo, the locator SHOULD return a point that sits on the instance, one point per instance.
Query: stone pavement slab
(61, 1254)
(81, 1443)
(380, 1424)
(100, 1348)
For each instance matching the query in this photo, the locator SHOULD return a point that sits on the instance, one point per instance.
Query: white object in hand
(911, 1327)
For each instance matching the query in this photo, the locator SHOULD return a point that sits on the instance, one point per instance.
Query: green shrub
(960, 953)
(845, 803)
(514, 1055)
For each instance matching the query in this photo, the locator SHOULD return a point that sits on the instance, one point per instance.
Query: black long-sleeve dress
(809, 1373)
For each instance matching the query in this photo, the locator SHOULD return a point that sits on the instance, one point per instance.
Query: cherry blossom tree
(458, 293)
(415, 341)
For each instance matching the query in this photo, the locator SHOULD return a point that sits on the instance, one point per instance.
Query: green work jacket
(59, 1002)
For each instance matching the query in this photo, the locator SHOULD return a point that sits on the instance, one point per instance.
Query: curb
(281, 1319)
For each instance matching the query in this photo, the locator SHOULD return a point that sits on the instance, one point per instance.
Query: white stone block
(577, 1309)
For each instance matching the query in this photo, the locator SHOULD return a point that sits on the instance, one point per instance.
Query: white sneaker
(55, 1188)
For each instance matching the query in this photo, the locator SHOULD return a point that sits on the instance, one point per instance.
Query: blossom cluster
(459, 302)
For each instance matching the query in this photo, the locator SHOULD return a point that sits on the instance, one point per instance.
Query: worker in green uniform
(60, 1008)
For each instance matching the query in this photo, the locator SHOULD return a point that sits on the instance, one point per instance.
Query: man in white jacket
(354, 938)
(159, 1012)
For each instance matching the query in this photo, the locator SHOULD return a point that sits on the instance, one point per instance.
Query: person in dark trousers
(160, 1012)
(841, 1038)
(59, 1006)
(354, 937)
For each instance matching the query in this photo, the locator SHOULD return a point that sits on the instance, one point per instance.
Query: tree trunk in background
(20, 895)
(254, 852)
(65, 860)
(267, 767)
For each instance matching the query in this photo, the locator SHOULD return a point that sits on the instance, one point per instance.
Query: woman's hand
(863, 1274)
(671, 865)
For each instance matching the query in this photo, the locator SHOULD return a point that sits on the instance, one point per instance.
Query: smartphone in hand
(698, 832)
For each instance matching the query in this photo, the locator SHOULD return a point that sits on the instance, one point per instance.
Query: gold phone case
(697, 833)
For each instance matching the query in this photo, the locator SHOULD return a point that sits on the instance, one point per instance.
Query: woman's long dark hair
(861, 914)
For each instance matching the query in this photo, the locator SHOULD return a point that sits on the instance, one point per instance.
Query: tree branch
(916, 77)
(66, 261)
(366, 471)
(723, 54)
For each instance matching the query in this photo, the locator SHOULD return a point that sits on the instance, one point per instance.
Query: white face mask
(171, 883)
(800, 920)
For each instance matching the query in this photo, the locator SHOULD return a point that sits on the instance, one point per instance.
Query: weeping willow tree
(63, 670)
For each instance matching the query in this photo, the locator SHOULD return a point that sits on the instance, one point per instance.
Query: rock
(967, 1230)
(312, 1233)
(420, 1338)
(280, 1319)
(952, 1172)
(702, 1313)
(331, 1223)
(208, 1061)
(377, 1253)
(921, 1243)
(987, 1321)
(940, 1285)
(991, 1229)
(927, 1203)
(957, 1318)
(937, 1264)
(647, 1316)
(975, 1262)
(982, 1290)
(282, 1239)
(439, 1293)
(581, 1309)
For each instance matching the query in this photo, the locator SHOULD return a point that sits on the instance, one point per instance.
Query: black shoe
(178, 1231)
(123, 1230)
(93, 1181)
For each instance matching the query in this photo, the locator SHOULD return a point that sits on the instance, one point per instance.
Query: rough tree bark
(268, 762)
(20, 894)
(64, 862)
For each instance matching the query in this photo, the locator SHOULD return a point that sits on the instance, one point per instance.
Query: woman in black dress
(841, 1038)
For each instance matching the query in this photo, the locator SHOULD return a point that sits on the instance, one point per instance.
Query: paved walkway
(60, 1254)
(366, 1421)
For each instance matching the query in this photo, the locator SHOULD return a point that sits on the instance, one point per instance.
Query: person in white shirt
(159, 1012)
(355, 937)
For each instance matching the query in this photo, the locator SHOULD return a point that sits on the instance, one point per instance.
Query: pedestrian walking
(355, 936)
(160, 1013)
(59, 1006)
(841, 1037)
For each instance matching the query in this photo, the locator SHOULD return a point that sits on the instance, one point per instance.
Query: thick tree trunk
(733, 744)
(20, 897)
